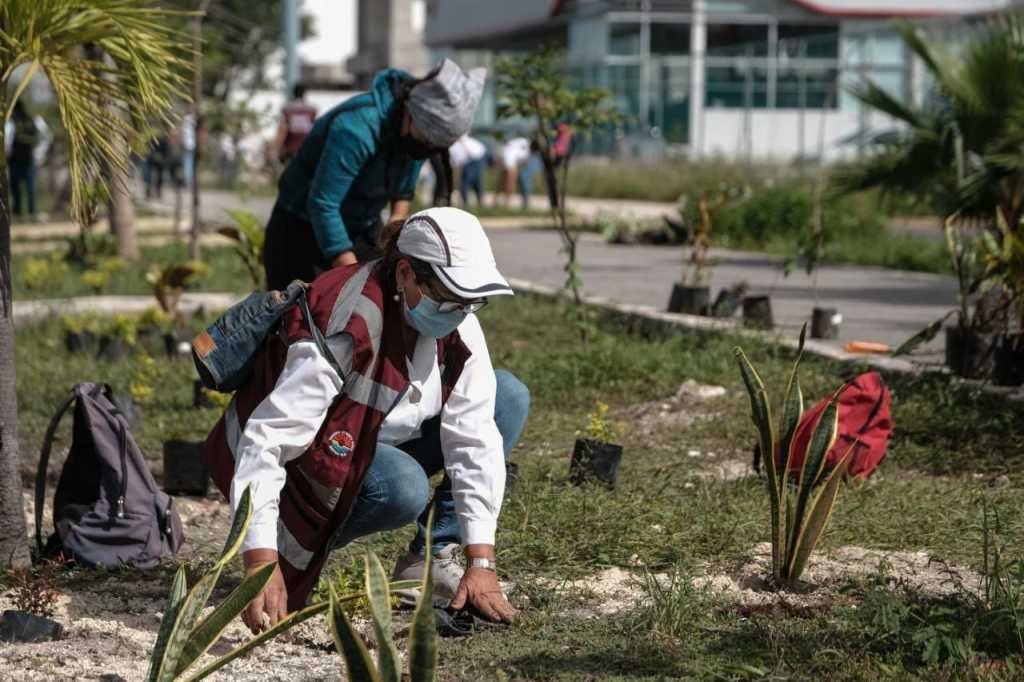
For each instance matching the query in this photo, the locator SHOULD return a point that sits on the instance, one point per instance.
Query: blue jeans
(396, 490)
(23, 174)
(532, 166)
(471, 178)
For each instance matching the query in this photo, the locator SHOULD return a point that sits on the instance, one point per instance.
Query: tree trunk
(122, 214)
(13, 542)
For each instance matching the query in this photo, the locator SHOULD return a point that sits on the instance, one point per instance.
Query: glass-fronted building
(732, 78)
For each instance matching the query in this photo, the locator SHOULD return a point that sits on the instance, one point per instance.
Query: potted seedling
(969, 342)
(157, 332)
(596, 454)
(692, 295)
(79, 333)
(729, 300)
(1004, 278)
(117, 339)
(185, 473)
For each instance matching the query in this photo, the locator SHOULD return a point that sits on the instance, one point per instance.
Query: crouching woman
(338, 433)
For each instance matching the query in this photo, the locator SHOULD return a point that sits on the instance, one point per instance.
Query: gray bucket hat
(443, 106)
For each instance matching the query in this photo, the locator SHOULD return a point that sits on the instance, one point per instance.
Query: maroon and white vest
(355, 310)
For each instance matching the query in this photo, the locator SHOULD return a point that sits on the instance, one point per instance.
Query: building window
(670, 39)
(807, 88)
(737, 40)
(738, 86)
(624, 84)
(808, 41)
(624, 39)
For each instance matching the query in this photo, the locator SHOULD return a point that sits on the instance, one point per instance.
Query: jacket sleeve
(348, 146)
(280, 429)
(473, 455)
(407, 186)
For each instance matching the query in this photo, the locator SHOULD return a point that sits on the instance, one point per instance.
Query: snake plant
(183, 638)
(422, 634)
(801, 501)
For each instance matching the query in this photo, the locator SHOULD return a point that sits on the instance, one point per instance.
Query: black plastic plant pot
(79, 342)
(1008, 360)
(185, 472)
(726, 303)
(968, 353)
(170, 344)
(757, 312)
(113, 349)
(595, 460)
(689, 300)
(825, 323)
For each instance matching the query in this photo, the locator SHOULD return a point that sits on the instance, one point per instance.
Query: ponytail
(387, 242)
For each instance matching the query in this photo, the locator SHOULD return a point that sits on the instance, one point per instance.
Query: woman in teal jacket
(360, 156)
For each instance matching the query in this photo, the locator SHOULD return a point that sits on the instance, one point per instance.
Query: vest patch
(341, 443)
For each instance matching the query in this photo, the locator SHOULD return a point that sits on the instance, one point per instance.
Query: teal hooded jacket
(350, 167)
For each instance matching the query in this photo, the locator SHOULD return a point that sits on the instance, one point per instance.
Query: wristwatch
(480, 562)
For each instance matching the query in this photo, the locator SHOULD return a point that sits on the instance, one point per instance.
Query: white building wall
(775, 135)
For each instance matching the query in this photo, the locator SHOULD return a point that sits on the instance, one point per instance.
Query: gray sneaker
(446, 573)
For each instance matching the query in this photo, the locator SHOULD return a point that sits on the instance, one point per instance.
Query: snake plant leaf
(423, 631)
(388, 661)
(350, 645)
(191, 607)
(179, 588)
(239, 524)
(206, 634)
(923, 336)
(792, 411)
(825, 431)
(760, 410)
(818, 515)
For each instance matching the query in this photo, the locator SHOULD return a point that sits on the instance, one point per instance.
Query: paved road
(877, 304)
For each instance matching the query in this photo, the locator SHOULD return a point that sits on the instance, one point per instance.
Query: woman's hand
(479, 586)
(270, 606)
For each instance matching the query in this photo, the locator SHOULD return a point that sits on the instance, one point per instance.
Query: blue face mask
(427, 319)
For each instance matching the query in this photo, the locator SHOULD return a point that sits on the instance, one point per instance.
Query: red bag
(865, 421)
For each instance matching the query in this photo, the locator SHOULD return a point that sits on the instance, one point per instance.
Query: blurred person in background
(186, 148)
(468, 155)
(27, 140)
(359, 157)
(296, 121)
(514, 153)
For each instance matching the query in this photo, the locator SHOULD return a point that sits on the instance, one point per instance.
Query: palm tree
(960, 150)
(113, 65)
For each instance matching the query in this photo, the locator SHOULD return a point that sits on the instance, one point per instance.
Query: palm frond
(114, 66)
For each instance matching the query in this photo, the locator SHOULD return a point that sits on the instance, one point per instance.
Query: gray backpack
(107, 510)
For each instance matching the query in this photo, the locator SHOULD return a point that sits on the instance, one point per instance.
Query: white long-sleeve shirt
(284, 425)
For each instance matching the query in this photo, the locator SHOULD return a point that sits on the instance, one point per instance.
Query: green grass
(226, 274)
(947, 445)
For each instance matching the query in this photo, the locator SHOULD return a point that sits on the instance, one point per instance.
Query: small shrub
(34, 589)
(600, 427)
(97, 280)
(42, 274)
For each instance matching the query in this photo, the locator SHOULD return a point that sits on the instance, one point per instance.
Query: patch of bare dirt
(111, 621)
(693, 401)
(827, 572)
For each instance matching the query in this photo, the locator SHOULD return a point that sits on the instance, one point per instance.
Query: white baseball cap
(454, 244)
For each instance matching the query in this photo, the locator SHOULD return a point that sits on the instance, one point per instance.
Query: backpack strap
(318, 336)
(44, 461)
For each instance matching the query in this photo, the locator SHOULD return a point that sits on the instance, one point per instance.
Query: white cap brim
(473, 282)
